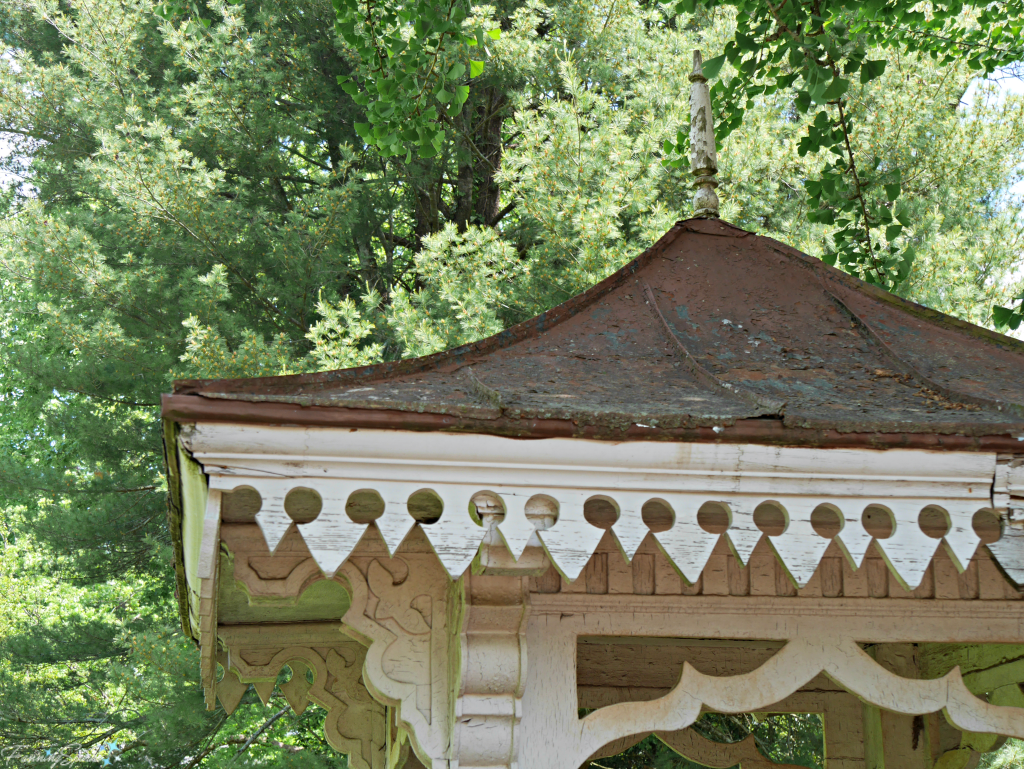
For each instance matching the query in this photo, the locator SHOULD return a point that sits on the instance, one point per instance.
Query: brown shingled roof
(714, 333)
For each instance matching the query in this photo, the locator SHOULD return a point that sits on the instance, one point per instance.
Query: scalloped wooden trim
(355, 722)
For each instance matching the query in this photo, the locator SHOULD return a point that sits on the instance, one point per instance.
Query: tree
(201, 199)
(408, 51)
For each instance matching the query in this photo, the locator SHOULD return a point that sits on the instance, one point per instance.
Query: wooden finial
(703, 158)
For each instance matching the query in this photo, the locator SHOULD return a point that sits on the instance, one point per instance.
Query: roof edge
(189, 408)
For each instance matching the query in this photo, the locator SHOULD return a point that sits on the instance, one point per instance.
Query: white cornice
(336, 462)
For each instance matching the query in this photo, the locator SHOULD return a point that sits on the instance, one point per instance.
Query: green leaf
(870, 70)
(456, 71)
(1002, 317)
(836, 89)
(902, 213)
(444, 96)
(461, 93)
(712, 67)
(893, 231)
(904, 267)
(476, 68)
(892, 191)
(494, 34)
(686, 6)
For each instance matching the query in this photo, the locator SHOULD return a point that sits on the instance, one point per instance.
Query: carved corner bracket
(326, 669)
(400, 612)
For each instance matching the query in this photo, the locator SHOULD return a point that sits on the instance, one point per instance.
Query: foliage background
(197, 199)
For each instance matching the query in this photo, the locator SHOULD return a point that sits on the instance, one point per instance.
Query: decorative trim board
(564, 474)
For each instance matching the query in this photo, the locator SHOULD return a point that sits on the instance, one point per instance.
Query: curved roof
(714, 333)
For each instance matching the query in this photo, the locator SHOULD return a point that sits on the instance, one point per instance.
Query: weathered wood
(634, 671)
(743, 754)
(843, 722)
(716, 573)
(355, 722)
(667, 580)
(620, 573)
(855, 581)
(493, 651)
(927, 587)
(596, 574)
(992, 584)
(776, 614)
(644, 578)
(831, 571)
(946, 576)
(697, 588)
(984, 667)
(762, 569)
(968, 581)
(878, 574)
(277, 462)
(896, 588)
(739, 577)
(781, 618)
(549, 582)
(658, 665)
(904, 738)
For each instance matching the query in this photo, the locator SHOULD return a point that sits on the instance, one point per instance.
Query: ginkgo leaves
(814, 47)
(411, 66)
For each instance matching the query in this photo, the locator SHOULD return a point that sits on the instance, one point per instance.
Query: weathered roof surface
(712, 334)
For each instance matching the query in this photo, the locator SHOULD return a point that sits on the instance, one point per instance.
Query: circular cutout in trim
(425, 506)
(601, 512)
(827, 521)
(542, 510)
(771, 518)
(303, 505)
(364, 506)
(658, 515)
(878, 521)
(988, 526)
(240, 505)
(934, 521)
(714, 517)
(486, 504)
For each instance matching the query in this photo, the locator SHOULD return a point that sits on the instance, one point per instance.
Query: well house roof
(712, 334)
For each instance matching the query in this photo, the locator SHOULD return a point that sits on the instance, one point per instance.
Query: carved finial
(703, 158)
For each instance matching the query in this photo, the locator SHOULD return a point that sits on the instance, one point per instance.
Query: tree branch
(504, 212)
(266, 725)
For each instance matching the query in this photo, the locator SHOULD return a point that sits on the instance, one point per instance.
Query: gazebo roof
(714, 333)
